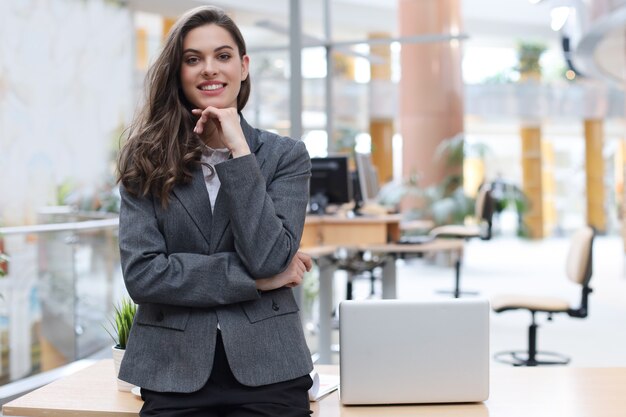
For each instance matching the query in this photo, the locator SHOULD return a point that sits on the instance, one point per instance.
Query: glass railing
(62, 280)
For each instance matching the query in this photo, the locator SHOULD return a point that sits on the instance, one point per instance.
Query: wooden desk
(321, 237)
(91, 392)
(323, 256)
(350, 231)
(394, 250)
(515, 392)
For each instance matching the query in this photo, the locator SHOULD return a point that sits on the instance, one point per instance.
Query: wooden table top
(515, 392)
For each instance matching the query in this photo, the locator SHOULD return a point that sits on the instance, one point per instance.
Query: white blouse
(210, 158)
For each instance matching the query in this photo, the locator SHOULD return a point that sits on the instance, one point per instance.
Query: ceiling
(489, 22)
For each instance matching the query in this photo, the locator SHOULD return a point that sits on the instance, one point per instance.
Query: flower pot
(118, 354)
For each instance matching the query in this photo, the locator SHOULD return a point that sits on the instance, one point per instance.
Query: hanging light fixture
(558, 17)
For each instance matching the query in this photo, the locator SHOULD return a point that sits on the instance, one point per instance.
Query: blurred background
(446, 95)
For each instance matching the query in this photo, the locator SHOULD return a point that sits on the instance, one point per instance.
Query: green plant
(528, 55)
(508, 195)
(104, 197)
(123, 316)
(446, 201)
(448, 207)
(346, 139)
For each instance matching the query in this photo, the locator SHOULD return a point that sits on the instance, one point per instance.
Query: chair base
(521, 358)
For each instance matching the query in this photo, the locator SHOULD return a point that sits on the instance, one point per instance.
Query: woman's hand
(290, 277)
(227, 127)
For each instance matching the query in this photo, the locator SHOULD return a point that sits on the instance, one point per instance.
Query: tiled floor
(511, 265)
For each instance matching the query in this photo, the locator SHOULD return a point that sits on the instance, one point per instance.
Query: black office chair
(358, 264)
(579, 270)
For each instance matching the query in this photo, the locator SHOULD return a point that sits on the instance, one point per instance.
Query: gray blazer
(188, 269)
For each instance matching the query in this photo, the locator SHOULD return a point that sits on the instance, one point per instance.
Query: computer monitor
(330, 182)
(368, 177)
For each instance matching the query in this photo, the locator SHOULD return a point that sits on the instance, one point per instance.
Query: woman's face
(212, 71)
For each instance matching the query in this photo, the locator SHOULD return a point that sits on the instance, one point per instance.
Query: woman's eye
(191, 60)
(224, 57)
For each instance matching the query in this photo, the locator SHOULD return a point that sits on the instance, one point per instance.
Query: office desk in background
(323, 235)
(515, 392)
(393, 251)
(350, 231)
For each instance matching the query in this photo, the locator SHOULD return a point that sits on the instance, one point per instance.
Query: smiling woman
(212, 68)
(211, 218)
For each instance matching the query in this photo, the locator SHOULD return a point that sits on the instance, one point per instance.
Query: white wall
(65, 92)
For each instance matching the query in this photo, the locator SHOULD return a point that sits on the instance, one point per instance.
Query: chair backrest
(483, 210)
(579, 256)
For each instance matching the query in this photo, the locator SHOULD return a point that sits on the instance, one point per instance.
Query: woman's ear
(245, 64)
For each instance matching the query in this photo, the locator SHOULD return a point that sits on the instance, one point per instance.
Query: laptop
(408, 352)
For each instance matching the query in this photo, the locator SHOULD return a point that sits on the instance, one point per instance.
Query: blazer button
(275, 306)
(160, 316)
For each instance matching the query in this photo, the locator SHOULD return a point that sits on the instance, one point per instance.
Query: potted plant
(123, 316)
(528, 55)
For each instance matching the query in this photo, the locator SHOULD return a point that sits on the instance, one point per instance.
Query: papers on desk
(415, 239)
(322, 385)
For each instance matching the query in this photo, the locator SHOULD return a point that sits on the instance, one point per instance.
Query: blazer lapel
(195, 198)
(221, 217)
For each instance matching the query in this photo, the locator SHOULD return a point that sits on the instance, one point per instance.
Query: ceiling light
(559, 16)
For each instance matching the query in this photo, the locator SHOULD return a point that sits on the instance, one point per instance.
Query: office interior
(388, 93)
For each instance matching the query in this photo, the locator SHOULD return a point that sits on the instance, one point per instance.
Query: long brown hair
(162, 150)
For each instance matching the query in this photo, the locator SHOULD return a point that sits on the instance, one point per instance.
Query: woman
(217, 332)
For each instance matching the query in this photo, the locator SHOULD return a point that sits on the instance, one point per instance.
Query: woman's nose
(209, 68)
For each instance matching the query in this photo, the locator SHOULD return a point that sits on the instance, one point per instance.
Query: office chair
(578, 270)
(356, 264)
(483, 210)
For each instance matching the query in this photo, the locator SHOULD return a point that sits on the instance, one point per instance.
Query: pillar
(167, 25)
(594, 170)
(431, 87)
(473, 175)
(141, 48)
(532, 179)
(381, 112)
(548, 188)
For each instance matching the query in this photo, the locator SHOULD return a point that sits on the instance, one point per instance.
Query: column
(141, 48)
(594, 170)
(167, 25)
(431, 86)
(381, 111)
(473, 175)
(548, 188)
(532, 179)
